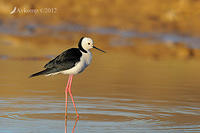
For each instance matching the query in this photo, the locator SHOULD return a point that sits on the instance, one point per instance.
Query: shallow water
(112, 95)
(22, 28)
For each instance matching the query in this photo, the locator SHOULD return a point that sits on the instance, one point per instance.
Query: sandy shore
(180, 16)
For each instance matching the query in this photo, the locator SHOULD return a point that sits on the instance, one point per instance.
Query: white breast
(87, 57)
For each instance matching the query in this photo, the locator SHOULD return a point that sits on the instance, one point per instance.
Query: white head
(85, 44)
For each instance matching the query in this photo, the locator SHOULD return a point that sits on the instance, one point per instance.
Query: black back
(65, 60)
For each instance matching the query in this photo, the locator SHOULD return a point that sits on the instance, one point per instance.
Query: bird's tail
(46, 71)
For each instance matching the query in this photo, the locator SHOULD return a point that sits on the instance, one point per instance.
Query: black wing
(65, 60)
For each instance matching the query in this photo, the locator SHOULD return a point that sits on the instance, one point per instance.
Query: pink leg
(65, 125)
(66, 90)
(75, 124)
(73, 127)
(70, 93)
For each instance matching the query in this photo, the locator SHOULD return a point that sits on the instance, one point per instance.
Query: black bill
(99, 49)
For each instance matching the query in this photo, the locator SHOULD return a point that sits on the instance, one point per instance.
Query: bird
(71, 62)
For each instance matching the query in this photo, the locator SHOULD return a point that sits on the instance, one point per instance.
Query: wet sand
(118, 92)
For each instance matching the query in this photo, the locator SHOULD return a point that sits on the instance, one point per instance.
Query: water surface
(22, 28)
(113, 95)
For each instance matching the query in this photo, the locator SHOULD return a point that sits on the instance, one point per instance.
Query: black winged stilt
(72, 61)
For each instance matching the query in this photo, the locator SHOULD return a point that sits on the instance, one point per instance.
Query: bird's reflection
(73, 126)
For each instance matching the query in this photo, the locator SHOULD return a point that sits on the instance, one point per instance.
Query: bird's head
(86, 43)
